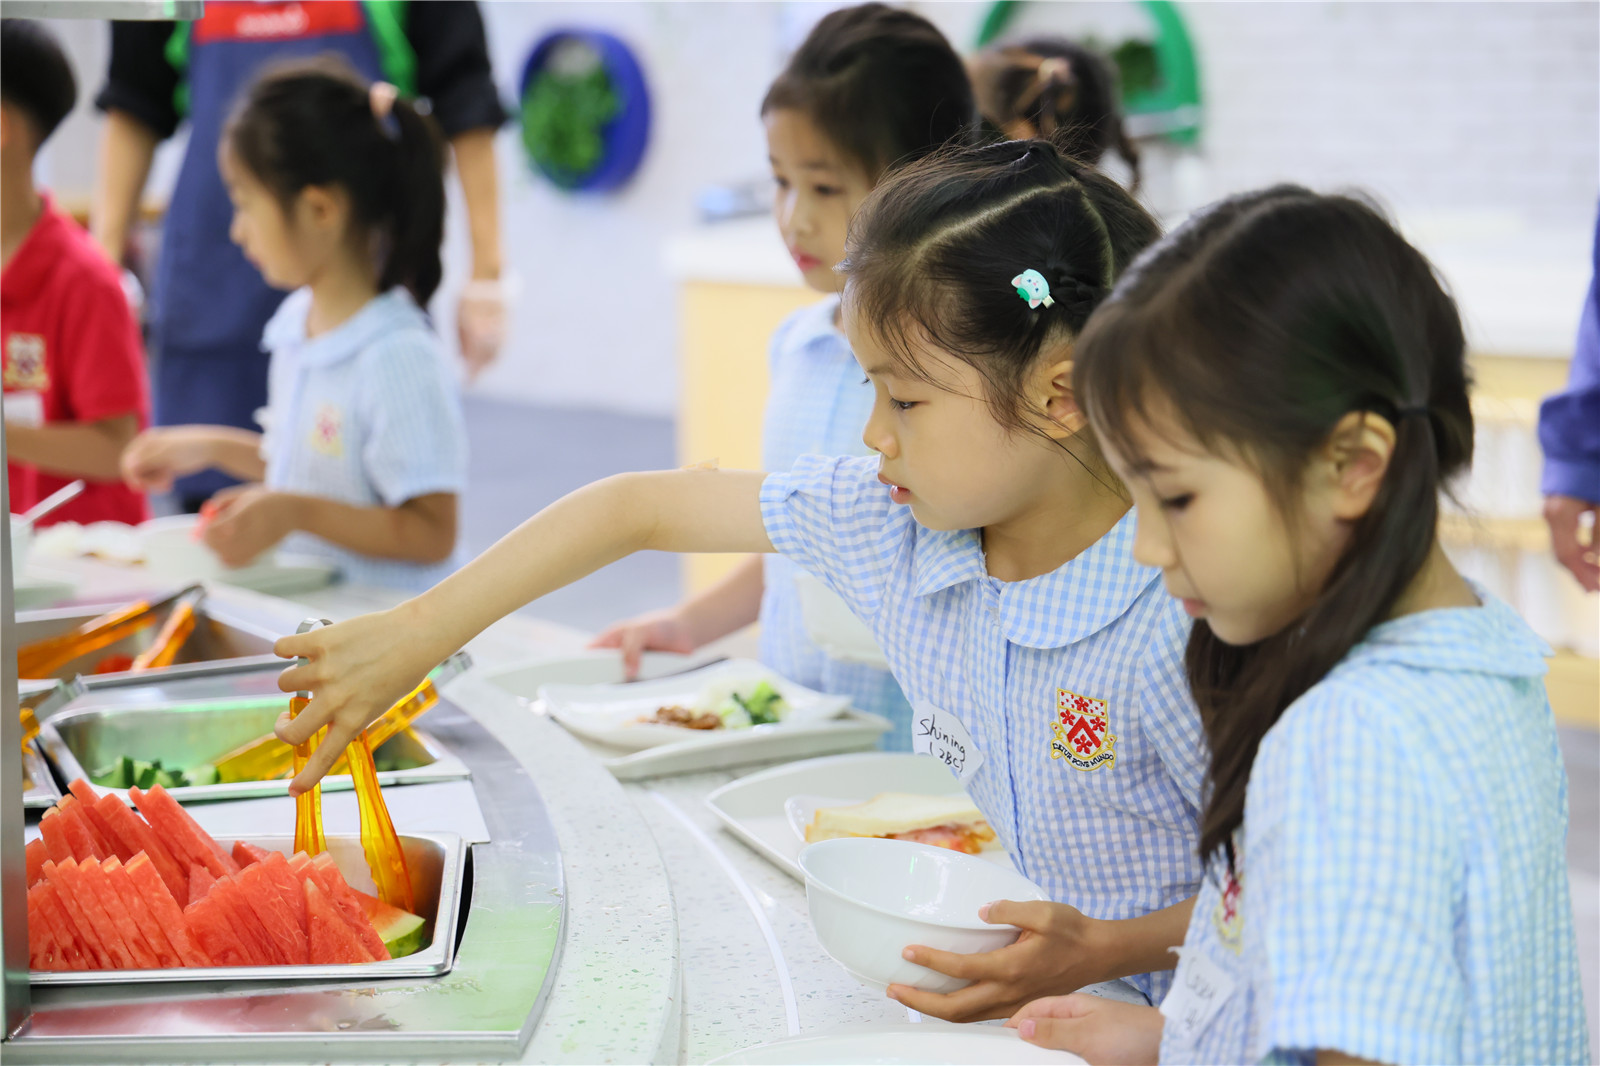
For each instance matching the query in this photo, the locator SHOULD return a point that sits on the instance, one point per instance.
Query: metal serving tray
(183, 733)
(44, 791)
(225, 638)
(437, 862)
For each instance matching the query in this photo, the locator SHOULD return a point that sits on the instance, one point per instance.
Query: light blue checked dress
(1116, 840)
(368, 413)
(1402, 890)
(818, 404)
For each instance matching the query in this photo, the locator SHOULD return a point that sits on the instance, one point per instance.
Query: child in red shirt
(70, 357)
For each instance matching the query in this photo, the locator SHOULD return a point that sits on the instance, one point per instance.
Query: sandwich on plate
(944, 821)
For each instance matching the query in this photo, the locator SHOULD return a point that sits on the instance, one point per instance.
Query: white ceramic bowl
(870, 899)
(172, 552)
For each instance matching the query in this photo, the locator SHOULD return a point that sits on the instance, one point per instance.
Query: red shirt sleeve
(101, 366)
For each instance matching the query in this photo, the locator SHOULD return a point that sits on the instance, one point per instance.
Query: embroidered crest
(1227, 916)
(1083, 734)
(25, 366)
(327, 432)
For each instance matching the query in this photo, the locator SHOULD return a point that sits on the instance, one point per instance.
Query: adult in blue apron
(209, 305)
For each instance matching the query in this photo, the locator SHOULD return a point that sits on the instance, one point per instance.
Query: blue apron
(209, 304)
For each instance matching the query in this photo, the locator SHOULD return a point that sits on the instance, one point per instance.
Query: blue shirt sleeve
(416, 439)
(1352, 868)
(834, 517)
(1569, 421)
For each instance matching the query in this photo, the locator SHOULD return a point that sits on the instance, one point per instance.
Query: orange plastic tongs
(43, 657)
(308, 835)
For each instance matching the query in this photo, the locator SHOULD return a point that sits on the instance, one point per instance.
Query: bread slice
(889, 814)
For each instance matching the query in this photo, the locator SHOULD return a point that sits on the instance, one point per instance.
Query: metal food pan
(184, 733)
(42, 789)
(224, 638)
(437, 862)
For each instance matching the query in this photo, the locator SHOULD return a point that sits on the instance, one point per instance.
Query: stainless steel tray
(437, 862)
(45, 791)
(225, 638)
(182, 733)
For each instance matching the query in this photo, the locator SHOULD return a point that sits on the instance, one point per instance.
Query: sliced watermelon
(200, 882)
(212, 927)
(71, 884)
(110, 841)
(246, 854)
(134, 832)
(349, 904)
(401, 931)
(181, 833)
(53, 831)
(94, 876)
(142, 872)
(280, 922)
(67, 931)
(79, 834)
(287, 883)
(43, 951)
(251, 932)
(36, 854)
(332, 940)
(134, 905)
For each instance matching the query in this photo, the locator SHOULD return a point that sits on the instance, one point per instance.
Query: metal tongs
(385, 858)
(45, 704)
(44, 657)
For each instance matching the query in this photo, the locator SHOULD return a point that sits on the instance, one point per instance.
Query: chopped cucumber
(203, 774)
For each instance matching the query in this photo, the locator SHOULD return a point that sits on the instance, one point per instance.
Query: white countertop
(681, 943)
(1520, 289)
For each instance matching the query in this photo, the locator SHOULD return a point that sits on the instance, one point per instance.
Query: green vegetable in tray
(764, 705)
(127, 773)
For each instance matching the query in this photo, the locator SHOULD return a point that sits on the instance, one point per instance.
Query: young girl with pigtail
(338, 194)
(985, 544)
(1281, 384)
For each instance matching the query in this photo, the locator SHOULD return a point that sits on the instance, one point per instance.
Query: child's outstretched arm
(74, 449)
(249, 519)
(157, 457)
(357, 669)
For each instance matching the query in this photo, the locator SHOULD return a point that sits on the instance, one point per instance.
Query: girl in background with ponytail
(338, 194)
(1281, 385)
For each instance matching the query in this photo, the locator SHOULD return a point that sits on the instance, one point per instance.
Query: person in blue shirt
(208, 304)
(1569, 433)
(338, 194)
(1282, 386)
(871, 87)
(985, 544)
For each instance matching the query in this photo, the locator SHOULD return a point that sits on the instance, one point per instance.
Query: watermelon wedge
(287, 883)
(96, 922)
(200, 882)
(280, 922)
(67, 931)
(135, 833)
(94, 878)
(246, 854)
(401, 931)
(142, 872)
(52, 830)
(134, 905)
(332, 941)
(213, 929)
(181, 833)
(110, 842)
(44, 953)
(344, 898)
(251, 932)
(79, 834)
(36, 854)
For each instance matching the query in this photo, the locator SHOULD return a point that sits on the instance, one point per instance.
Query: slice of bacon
(968, 839)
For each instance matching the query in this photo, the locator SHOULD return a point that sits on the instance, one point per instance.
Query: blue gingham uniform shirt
(818, 405)
(1115, 841)
(369, 414)
(1402, 877)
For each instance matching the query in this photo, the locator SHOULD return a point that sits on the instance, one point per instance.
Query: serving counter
(678, 943)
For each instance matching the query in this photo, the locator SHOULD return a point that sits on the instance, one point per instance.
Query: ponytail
(1262, 323)
(316, 122)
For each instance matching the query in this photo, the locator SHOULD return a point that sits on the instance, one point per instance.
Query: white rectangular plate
(753, 807)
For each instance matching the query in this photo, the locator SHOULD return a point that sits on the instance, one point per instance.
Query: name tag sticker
(1199, 989)
(24, 408)
(937, 732)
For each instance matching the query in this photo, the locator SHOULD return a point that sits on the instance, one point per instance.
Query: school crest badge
(1083, 734)
(25, 365)
(327, 431)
